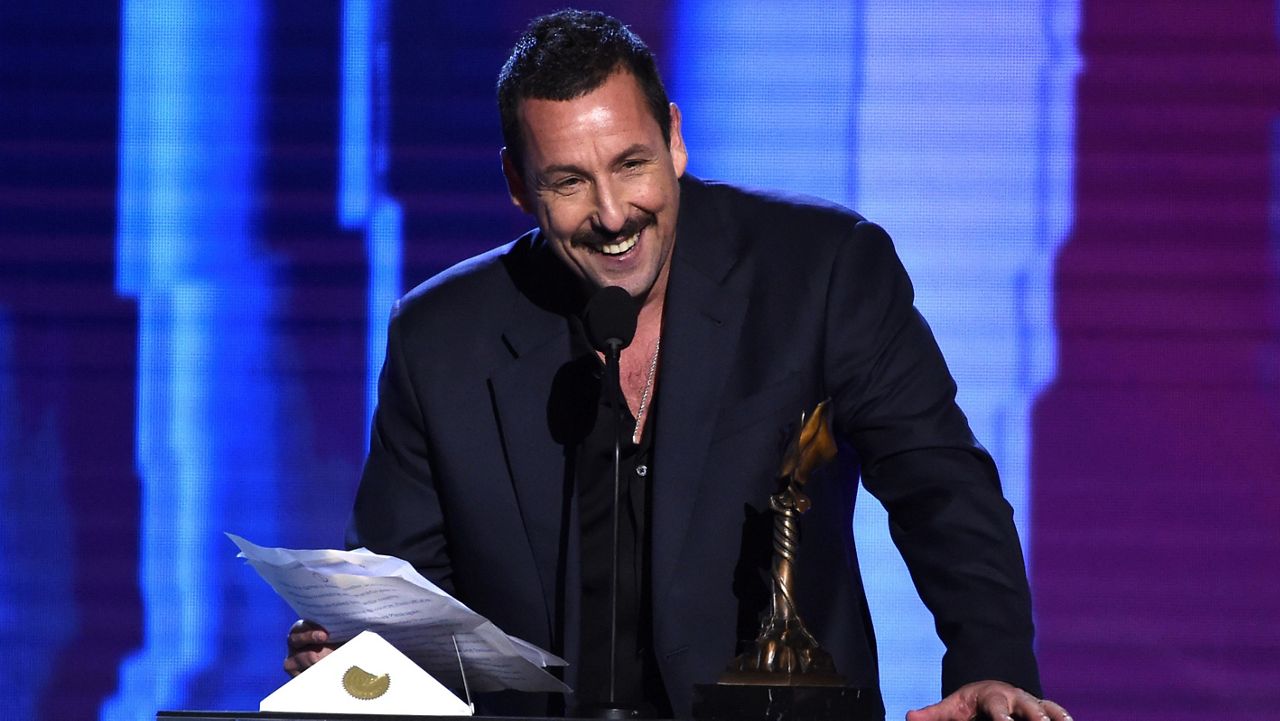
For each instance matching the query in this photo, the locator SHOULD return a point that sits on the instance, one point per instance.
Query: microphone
(610, 320)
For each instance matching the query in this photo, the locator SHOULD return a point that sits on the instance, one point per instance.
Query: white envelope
(366, 675)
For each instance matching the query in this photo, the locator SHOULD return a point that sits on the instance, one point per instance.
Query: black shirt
(639, 684)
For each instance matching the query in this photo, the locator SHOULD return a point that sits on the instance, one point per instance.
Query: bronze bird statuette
(785, 653)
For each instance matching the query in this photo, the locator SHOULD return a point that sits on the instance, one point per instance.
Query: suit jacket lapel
(537, 336)
(703, 318)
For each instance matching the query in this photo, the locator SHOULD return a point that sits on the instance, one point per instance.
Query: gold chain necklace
(648, 386)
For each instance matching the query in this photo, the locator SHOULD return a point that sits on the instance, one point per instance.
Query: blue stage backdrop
(207, 210)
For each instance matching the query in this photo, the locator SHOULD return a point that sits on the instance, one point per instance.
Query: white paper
(352, 591)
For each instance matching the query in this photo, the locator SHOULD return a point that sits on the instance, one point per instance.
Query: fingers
(1055, 710)
(998, 707)
(1021, 706)
(1009, 703)
(299, 662)
(306, 633)
(991, 700)
(307, 644)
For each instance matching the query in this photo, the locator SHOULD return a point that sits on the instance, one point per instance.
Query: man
(489, 467)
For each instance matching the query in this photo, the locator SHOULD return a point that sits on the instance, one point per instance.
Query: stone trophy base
(781, 702)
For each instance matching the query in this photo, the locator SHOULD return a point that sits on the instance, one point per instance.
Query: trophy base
(775, 678)
(610, 713)
(785, 700)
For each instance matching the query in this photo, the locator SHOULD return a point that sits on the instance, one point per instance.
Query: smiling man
(491, 458)
(599, 168)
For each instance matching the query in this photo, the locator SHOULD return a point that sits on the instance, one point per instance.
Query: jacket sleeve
(895, 403)
(397, 508)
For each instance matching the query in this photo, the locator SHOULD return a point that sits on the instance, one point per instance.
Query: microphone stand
(613, 374)
(610, 319)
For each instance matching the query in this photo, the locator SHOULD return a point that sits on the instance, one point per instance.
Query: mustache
(596, 237)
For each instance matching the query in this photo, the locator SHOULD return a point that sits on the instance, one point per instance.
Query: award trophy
(786, 674)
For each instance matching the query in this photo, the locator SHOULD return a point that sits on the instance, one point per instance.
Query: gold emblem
(363, 685)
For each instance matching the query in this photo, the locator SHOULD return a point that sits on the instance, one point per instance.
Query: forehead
(614, 114)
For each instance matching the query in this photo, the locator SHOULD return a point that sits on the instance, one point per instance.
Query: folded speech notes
(352, 591)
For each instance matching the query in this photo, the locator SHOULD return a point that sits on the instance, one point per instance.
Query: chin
(637, 281)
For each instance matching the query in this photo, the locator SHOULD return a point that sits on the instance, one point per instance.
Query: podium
(869, 715)
(273, 716)
(854, 706)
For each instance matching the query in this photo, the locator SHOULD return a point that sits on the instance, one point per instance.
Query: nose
(611, 209)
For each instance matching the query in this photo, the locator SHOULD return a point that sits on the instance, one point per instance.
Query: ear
(516, 187)
(679, 154)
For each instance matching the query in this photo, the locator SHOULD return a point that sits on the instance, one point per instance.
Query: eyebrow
(633, 149)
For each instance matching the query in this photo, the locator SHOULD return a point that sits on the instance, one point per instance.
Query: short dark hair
(568, 54)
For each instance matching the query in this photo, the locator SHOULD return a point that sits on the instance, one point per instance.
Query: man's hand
(308, 642)
(994, 700)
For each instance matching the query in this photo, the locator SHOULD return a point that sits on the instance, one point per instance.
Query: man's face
(602, 183)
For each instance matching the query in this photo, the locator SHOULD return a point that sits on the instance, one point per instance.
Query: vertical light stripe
(768, 92)
(383, 242)
(355, 168)
(966, 157)
(363, 199)
(206, 404)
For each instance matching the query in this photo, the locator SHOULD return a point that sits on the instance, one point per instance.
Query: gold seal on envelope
(363, 685)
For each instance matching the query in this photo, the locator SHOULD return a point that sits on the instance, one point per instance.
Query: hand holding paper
(347, 592)
(307, 643)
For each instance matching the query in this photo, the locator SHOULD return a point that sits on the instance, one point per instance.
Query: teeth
(620, 247)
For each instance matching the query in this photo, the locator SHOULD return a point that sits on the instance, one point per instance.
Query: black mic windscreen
(610, 317)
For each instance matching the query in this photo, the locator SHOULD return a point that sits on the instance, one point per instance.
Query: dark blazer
(773, 304)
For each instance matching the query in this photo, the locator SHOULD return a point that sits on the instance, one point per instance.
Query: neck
(650, 316)
(638, 361)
